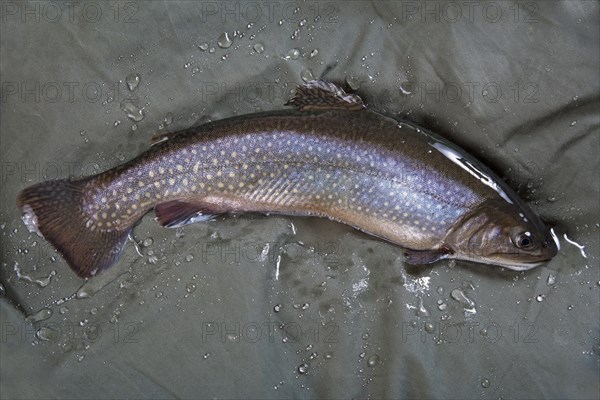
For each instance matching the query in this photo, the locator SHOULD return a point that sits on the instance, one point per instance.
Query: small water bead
(485, 383)
(303, 368)
(373, 360)
(190, 287)
(573, 123)
(313, 53)
(293, 54)
(540, 297)
(148, 242)
(2, 290)
(133, 81)
(328, 355)
(224, 41)
(206, 355)
(277, 307)
(203, 46)
(429, 327)
(551, 280)
(307, 75)
(259, 48)
(189, 258)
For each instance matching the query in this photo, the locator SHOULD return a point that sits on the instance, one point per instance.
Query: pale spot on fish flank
(140, 183)
(179, 167)
(171, 181)
(151, 174)
(185, 182)
(161, 170)
(209, 176)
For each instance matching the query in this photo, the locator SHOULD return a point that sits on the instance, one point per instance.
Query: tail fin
(53, 210)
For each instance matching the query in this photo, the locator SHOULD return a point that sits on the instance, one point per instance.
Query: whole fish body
(329, 157)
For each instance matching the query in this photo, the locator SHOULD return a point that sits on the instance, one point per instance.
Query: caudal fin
(53, 210)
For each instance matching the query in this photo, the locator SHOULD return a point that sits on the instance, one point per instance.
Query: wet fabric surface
(281, 307)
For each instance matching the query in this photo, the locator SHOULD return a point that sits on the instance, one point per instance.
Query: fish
(328, 156)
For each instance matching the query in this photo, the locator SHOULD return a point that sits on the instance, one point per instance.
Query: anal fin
(176, 213)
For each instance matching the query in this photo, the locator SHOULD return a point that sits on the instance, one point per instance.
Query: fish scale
(330, 157)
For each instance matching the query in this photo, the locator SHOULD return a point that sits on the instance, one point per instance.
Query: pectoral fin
(322, 95)
(419, 257)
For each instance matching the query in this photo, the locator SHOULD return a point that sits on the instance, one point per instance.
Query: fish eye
(524, 240)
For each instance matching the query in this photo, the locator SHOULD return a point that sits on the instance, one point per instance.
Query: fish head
(502, 233)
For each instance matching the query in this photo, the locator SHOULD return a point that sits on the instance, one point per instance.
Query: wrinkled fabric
(283, 307)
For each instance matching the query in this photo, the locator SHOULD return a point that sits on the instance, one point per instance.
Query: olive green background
(516, 84)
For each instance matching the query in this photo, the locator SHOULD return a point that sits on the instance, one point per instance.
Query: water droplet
(82, 133)
(79, 357)
(148, 242)
(328, 355)
(302, 22)
(313, 53)
(63, 310)
(459, 295)
(203, 46)
(365, 336)
(168, 120)
(573, 123)
(540, 297)
(117, 123)
(429, 327)
(277, 308)
(2, 290)
(190, 287)
(133, 81)
(293, 54)
(303, 368)
(224, 41)
(551, 280)
(187, 65)
(41, 315)
(195, 70)
(132, 111)
(442, 307)
(259, 48)
(485, 383)
(307, 75)
(570, 307)
(206, 355)
(47, 334)
(373, 360)
(189, 258)
(406, 88)
(134, 127)
(211, 50)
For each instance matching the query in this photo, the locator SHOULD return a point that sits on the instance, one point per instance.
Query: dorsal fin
(323, 95)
